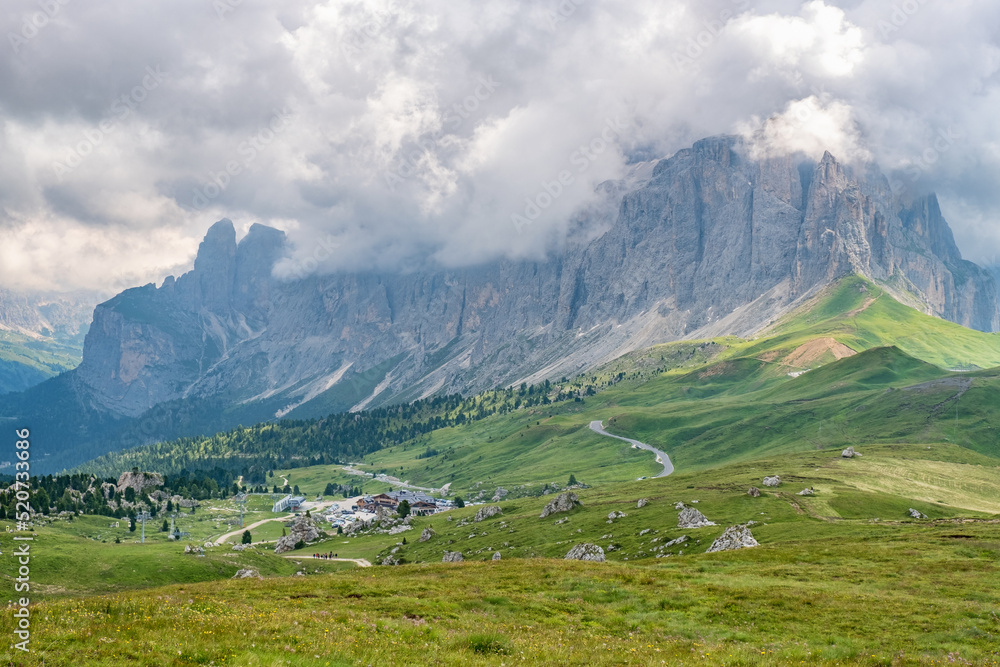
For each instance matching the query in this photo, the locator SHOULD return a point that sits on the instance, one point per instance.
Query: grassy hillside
(27, 361)
(842, 577)
(850, 367)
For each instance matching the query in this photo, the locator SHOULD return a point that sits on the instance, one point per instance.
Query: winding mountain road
(661, 457)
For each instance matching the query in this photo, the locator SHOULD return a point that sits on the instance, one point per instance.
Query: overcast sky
(387, 133)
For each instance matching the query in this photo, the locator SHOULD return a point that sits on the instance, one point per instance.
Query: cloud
(390, 133)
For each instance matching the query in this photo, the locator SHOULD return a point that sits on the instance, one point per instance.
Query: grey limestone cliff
(709, 242)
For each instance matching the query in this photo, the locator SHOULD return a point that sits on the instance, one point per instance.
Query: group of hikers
(328, 554)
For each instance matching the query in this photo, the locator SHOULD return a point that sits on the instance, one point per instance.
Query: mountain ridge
(712, 243)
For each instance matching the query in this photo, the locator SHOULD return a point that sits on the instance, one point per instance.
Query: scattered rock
(209, 545)
(452, 557)
(808, 491)
(488, 512)
(678, 505)
(427, 534)
(561, 521)
(500, 494)
(564, 502)
(914, 514)
(642, 503)
(586, 551)
(247, 573)
(754, 492)
(774, 480)
(303, 530)
(644, 531)
(194, 550)
(735, 537)
(680, 540)
(689, 517)
(241, 547)
(496, 555)
(616, 515)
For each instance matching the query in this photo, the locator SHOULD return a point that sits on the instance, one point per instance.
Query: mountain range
(41, 335)
(707, 242)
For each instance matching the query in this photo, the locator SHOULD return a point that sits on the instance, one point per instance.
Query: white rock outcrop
(586, 551)
(735, 537)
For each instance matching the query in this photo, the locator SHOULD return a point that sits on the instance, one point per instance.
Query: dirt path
(661, 457)
(222, 540)
(360, 562)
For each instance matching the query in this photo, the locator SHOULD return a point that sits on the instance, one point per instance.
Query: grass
(910, 596)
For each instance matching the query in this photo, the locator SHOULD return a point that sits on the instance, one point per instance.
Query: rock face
(139, 481)
(303, 530)
(586, 551)
(754, 492)
(915, 514)
(706, 242)
(488, 512)
(689, 517)
(452, 557)
(735, 537)
(772, 481)
(564, 502)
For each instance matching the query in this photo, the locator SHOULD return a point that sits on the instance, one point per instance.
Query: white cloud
(398, 152)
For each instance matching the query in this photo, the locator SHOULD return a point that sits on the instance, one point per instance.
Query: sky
(388, 134)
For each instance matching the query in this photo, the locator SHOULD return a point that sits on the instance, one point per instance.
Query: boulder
(808, 491)
(678, 505)
(452, 557)
(586, 551)
(499, 495)
(754, 492)
(303, 530)
(247, 573)
(564, 502)
(849, 453)
(772, 481)
(496, 555)
(427, 534)
(914, 514)
(194, 550)
(487, 512)
(689, 517)
(642, 503)
(139, 481)
(616, 515)
(680, 540)
(735, 537)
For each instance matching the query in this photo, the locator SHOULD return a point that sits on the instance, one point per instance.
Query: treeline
(91, 494)
(253, 451)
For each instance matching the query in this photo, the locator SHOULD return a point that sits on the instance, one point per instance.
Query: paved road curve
(661, 457)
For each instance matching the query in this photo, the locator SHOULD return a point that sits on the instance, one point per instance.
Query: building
(372, 503)
(421, 508)
(289, 502)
